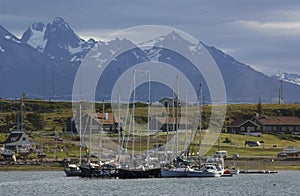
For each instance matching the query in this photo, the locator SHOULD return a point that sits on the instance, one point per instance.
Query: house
(169, 102)
(278, 123)
(17, 141)
(170, 123)
(107, 121)
(242, 125)
(266, 124)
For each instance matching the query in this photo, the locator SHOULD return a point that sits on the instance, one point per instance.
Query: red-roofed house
(265, 124)
(278, 123)
(242, 125)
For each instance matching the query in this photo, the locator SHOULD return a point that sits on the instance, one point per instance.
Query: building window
(249, 129)
(242, 128)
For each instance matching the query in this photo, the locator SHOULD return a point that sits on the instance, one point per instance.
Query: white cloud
(97, 34)
(279, 27)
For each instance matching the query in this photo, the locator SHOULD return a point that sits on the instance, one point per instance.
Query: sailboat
(138, 171)
(74, 169)
(91, 169)
(212, 167)
(180, 166)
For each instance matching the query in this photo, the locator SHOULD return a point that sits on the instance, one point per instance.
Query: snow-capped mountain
(289, 77)
(242, 82)
(44, 61)
(57, 40)
(22, 67)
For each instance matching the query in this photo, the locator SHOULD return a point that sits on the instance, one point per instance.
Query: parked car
(282, 155)
(235, 155)
(252, 143)
(221, 153)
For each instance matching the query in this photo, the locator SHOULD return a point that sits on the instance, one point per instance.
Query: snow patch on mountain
(151, 42)
(37, 40)
(9, 37)
(289, 77)
(154, 54)
(74, 50)
(76, 59)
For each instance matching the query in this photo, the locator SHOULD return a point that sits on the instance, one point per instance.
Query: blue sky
(263, 34)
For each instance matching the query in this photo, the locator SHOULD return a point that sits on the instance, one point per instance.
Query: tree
(259, 106)
(36, 120)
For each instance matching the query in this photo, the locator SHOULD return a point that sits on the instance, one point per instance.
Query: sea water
(55, 183)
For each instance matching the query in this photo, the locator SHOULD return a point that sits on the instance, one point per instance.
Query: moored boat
(137, 173)
(174, 172)
(227, 173)
(234, 170)
(94, 170)
(72, 170)
(207, 170)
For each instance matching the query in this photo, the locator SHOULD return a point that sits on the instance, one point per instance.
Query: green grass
(55, 114)
(265, 149)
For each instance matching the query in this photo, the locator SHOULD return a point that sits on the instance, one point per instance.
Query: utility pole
(280, 92)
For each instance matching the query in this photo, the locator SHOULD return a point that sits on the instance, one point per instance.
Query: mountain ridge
(55, 51)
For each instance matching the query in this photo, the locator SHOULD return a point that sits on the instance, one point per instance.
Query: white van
(221, 153)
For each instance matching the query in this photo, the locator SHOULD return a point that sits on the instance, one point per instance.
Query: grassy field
(69, 147)
(55, 114)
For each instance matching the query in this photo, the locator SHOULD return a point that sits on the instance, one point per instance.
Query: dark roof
(279, 120)
(240, 122)
(237, 123)
(14, 136)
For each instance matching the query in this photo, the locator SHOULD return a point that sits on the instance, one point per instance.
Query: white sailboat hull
(203, 174)
(174, 172)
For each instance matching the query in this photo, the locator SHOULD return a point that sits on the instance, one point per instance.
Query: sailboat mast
(133, 108)
(167, 142)
(148, 125)
(119, 129)
(90, 132)
(186, 123)
(80, 138)
(177, 108)
(200, 124)
(173, 123)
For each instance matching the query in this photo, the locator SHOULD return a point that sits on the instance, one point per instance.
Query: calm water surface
(55, 183)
